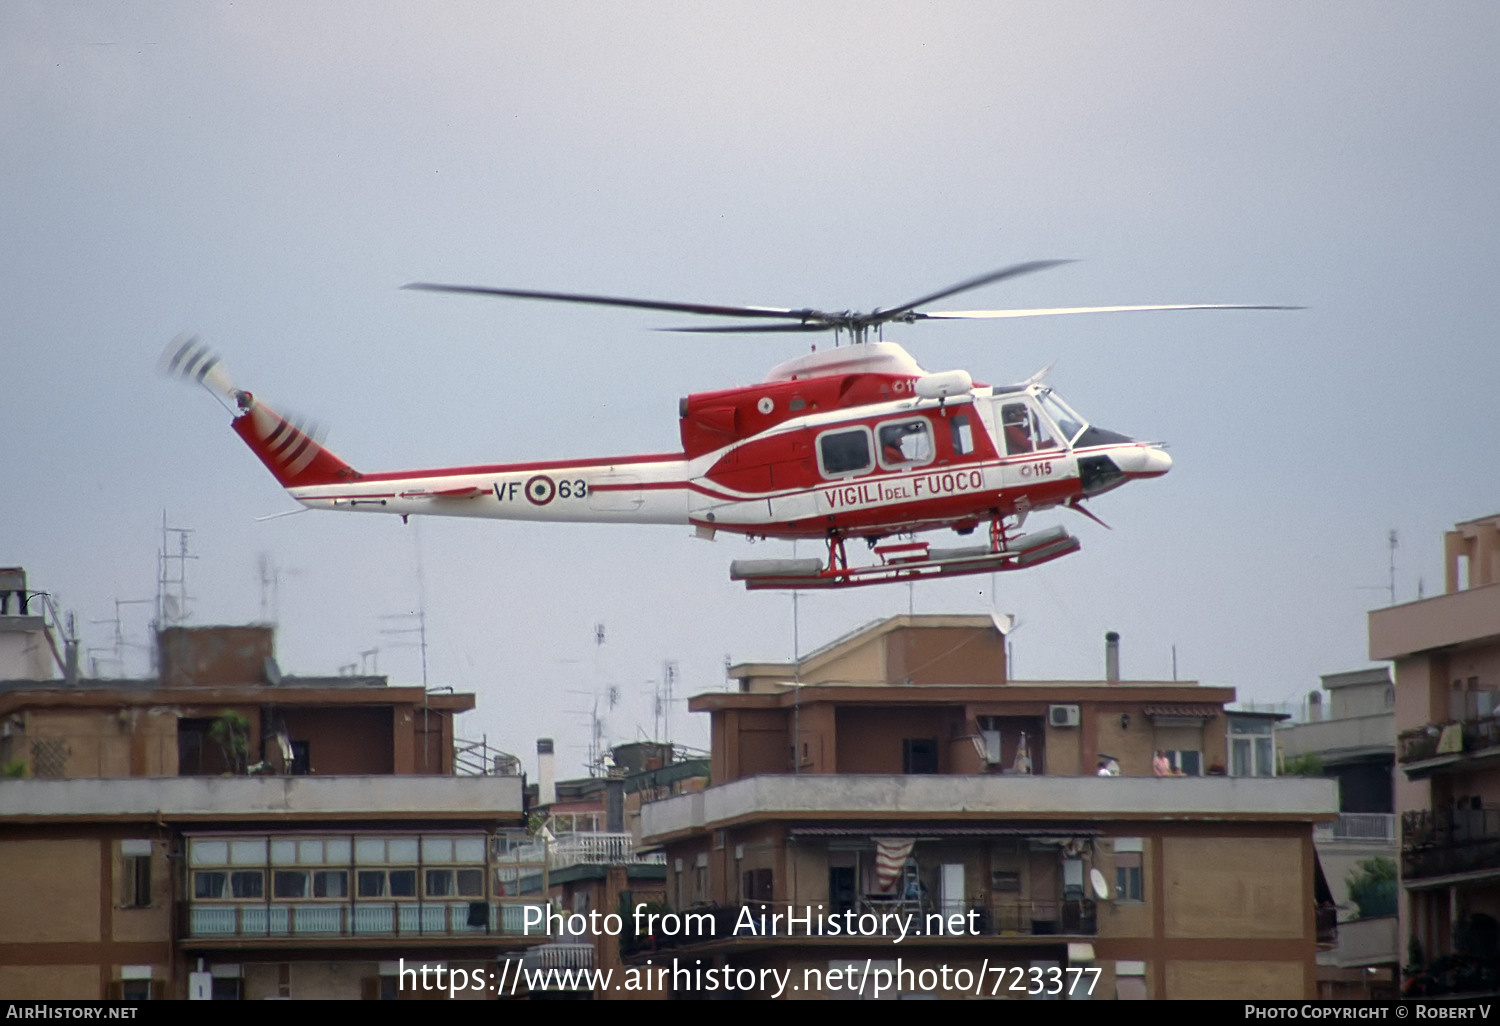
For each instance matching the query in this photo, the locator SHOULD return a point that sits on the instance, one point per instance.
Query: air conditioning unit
(1062, 715)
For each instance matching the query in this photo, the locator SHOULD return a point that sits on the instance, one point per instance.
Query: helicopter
(851, 443)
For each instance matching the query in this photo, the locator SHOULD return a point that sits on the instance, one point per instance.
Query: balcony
(1473, 729)
(607, 849)
(372, 920)
(1358, 828)
(928, 798)
(1450, 842)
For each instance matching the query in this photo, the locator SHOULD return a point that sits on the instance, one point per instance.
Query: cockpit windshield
(1069, 424)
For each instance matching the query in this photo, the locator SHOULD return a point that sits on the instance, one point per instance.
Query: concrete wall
(1255, 890)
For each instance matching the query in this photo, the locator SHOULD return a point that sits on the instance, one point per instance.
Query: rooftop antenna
(1391, 538)
(668, 678)
(171, 605)
(1392, 544)
(120, 645)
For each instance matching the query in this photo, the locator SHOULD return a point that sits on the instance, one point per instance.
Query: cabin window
(905, 443)
(844, 453)
(963, 434)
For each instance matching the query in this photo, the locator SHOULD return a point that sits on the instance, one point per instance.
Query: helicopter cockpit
(1035, 420)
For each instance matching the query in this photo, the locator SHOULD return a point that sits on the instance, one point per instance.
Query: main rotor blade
(1015, 270)
(971, 315)
(723, 329)
(639, 304)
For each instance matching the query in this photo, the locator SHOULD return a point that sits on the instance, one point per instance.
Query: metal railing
(1475, 713)
(479, 759)
(1449, 841)
(599, 849)
(1360, 827)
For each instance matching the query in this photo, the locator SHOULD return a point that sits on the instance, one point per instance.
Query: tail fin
(288, 448)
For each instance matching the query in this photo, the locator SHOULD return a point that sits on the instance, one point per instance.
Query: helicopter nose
(1145, 461)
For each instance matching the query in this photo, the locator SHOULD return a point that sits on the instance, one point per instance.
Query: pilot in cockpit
(1017, 424)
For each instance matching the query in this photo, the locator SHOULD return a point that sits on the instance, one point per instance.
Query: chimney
(546, 777)
(1112, 657)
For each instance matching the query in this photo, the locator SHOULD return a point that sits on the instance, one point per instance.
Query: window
(247, 883)
(919, 755)
(1128, 886)
(446, 883)
(758, 884)
(209, 885)
(844, 453)
(1186, 763)
(1069, 424)
(330, 883)
(286, 884)
(1024, 431)
(371, 883)
(403, 883)
(962, 434)
(135, 990)
(135, 862)
(905, 443)
(1251, 756)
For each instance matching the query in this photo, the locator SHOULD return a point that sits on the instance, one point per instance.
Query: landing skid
(903, 561)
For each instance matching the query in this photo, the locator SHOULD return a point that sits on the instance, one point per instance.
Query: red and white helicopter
(853, 442)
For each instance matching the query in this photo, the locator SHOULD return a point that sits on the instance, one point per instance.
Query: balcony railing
(598, 849)
(1475, 713)
(312, 920)
(1358, 828)
(1449, 841)
(559, 955)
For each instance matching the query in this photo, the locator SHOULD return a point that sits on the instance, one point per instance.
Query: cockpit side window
(905, 443)
(1024, 430)
(845, 453)
(1016, 420)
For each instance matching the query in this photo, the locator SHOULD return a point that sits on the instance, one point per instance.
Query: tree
(1372, 886)
(1305, 765)
(231, 732)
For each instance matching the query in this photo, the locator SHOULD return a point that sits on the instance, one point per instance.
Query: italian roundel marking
(540, 490)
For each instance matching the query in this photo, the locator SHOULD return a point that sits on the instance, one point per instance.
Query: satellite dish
(1101, 889)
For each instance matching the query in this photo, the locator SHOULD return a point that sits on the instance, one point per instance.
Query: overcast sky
(267, 175)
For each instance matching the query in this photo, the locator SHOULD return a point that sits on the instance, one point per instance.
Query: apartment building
(914, 809)
(222, 830)
(1347, 732)
(1445, 653)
